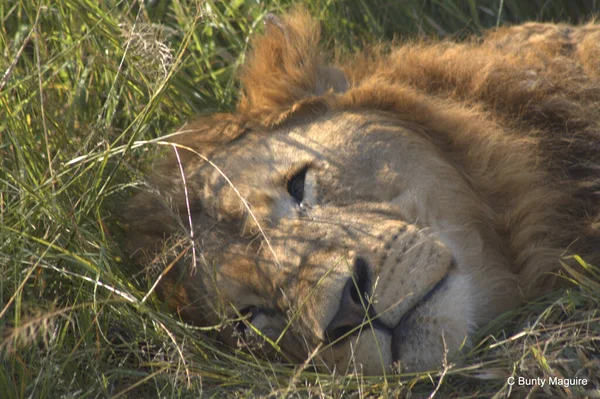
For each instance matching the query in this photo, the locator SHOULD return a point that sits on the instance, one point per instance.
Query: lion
(370, 214)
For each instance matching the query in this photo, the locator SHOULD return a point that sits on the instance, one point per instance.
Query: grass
(82, 82)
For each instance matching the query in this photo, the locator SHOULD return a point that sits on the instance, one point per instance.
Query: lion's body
(440, 184)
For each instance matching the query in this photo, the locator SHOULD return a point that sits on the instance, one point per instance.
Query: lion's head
(379, 211)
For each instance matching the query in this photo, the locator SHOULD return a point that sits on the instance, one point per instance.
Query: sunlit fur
(475, 162)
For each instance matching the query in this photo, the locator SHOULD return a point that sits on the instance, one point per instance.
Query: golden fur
(442, 183)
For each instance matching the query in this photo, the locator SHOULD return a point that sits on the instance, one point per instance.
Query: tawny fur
(516, 112)
(534, 91)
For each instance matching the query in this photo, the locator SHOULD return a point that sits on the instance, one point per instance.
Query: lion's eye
(295, 186)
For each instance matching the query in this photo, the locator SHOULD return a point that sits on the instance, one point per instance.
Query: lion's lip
(376, 323)
(436, 288)
(405, 325)
(427, 296)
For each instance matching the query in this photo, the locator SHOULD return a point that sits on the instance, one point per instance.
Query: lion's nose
(354, 304)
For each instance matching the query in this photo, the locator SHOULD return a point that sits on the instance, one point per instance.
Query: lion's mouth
(338, 335)
(407, 324)
(354, 327)
(436, 288)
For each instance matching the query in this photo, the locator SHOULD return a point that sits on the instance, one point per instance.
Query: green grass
(83, 80)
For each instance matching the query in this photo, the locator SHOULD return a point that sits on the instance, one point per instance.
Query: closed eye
(295, 185)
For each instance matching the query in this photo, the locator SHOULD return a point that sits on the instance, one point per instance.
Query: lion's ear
(286, 66)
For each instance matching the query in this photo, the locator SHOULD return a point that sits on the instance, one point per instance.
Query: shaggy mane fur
(494, 142)
(501, 106)
(518, 110)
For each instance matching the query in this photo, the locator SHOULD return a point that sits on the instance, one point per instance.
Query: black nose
(354, 304)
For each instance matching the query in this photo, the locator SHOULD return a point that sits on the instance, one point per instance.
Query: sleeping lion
(371, 214)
